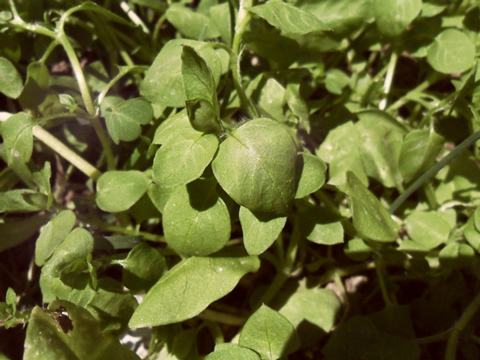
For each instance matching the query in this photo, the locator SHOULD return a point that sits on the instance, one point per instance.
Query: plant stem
(389, 79)
(65, 152)
(379, 268)
(223, 318)
(433, 338)
(450, 353)
(429, 174)
(345, 271)
(124, 231)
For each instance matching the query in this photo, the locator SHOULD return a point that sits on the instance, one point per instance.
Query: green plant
(229, 160)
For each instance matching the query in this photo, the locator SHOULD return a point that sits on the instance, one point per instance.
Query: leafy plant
(240, 180)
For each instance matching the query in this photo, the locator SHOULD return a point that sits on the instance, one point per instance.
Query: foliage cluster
(247, 179)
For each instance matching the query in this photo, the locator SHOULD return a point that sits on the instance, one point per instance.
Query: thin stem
(65, 152)
(450, 353)
(223, 318)
(345, 271)
(433, 338)
(434, 170)
(381, 280)
(158, 26)
(389, 79)
(124, 231)
(49, 50)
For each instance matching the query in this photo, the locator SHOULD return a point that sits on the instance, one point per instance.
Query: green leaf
(477, 218)
(36, 89)
(259, 230)
(189, 287)
(359, 338)
(340, 151)
(233, 353)
(108, 15)
(418, 153)
(198, 80)
(14, 231)
(288, 18)
(163, 83)
(268, 95)
(221, 19)
(456, 255)
(269, 333)
(76, 246)
(11, 83)
(312, 311)
(370, 218)
(393, 16)
(124, 120)
(202, 116)
(196, 221)
(11, 299)
(159, 195)
(472, 235)
(427, 228)
(443, 54)
(18, 138)
(335, 81)
(191, 24)
(136, 276)
(380, 138)
(53, 234)
(173, 127)
(69, 332)
(184, 158)
(311, 175)
(321, 226)
(42, 179)
(130, 184)
(255, 165)
(358, 250)
(23, 200)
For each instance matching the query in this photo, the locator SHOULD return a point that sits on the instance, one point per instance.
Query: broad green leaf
(11, 83)
(443, 54)
(268, 95)
(198, 80)
(191, 24)
(136, 276)
(52, 235)
(393, 16)
(124, 120)
(269, 333)
(255, 165)
(380, 139)
(159, 195)
(233, 353)
(203, 116)
(312, 311)
(418, 153)
(472, 235)
(18, 138)
(163, 82)
(456, 255)
(427, 228)
(370, 218)
(23, 200)
(359, 338)
(173, 127)
(189, 287)
(340, 151)
(69, 332)
(76, 246)
(311, 175)
(259, 230)
(14, 231)
(184, 158)
(196, 221)
(335, 81)
(131, 185)
(35, 90)
(288, 18)
(358, 250)
(180, 345)
(321, 226)
(220, 17)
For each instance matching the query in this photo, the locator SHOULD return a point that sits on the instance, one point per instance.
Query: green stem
(65, 152)
(433, 171)
(345, 271)
(433, 338)
(450, 353)
(379, 268)
(389, 79)
(156, 31)
(121, 230)
(49, 50)
(430, 194)
(223, 318)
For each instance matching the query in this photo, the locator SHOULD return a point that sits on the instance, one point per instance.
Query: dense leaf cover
(239, 179)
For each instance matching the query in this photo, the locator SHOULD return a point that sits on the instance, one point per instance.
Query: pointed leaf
(311, 177)
(11, 83)
(255, 165)
(18, 138)
(189, 287)
(269, 333)
(198, 80)
(196, 221)
(130, 184)
(259, 230)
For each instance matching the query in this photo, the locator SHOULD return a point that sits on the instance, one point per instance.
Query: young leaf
(393, 16)
(18, 138)
(196, 221)
(67, 331)
(418, 153)
(130, 184)
(53, 234)
(269, 333)
(163, 83)
(11, 83)
(428, 229)
(288, 18)
(443, 54)
(370, 218)
(198, 80)
(259, 230)
(189, 287)
(255, 165)
(311, 175)
(124, 120)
